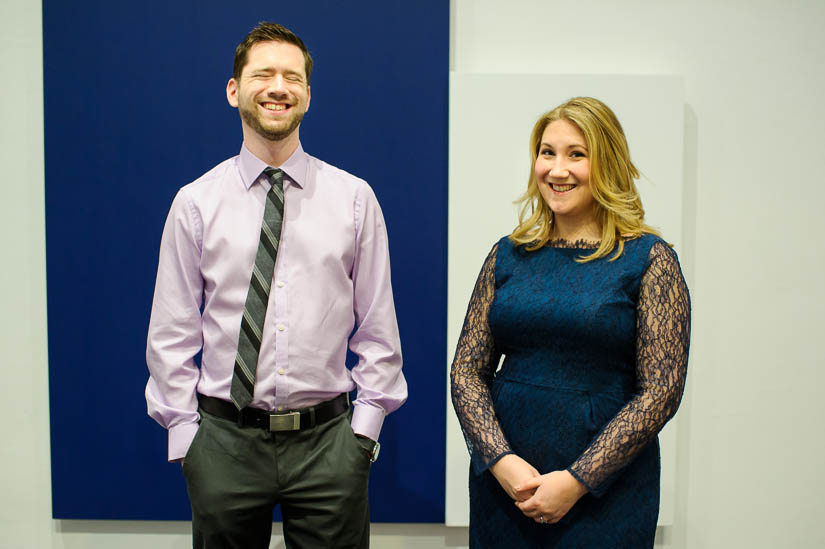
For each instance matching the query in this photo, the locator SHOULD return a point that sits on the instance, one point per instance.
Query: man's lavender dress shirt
(332, 274)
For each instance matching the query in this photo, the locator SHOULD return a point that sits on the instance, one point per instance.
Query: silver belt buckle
(285, 422)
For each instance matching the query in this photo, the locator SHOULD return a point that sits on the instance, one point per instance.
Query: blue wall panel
(134, 109)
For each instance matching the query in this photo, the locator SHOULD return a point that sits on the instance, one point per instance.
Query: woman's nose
(559, 169)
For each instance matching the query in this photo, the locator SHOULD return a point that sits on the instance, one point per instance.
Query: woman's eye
(577, 154)
(546, 152)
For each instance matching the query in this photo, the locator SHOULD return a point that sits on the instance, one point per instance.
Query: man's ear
(309, 97)
(232, 92)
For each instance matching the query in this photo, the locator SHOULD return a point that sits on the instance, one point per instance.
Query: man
(267, 263)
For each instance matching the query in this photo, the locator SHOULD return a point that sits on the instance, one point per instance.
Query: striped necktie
(257, 297)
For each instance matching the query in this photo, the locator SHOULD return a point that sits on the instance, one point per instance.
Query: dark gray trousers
(237, 475)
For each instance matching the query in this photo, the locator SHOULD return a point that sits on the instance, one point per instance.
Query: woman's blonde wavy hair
(619, 208)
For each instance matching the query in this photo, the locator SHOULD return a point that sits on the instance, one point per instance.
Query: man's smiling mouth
(275, 106)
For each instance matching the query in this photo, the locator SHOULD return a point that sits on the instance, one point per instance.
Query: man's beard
(254, 122)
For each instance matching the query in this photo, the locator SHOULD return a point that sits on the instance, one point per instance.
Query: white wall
(24, 451)
(751, 451)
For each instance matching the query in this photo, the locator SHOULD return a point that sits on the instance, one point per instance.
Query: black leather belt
(294, 420)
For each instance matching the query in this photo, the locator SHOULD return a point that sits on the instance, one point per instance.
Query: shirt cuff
(367, 420)
(180, 438)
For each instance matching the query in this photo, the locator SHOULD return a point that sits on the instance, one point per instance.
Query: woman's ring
(541, 519)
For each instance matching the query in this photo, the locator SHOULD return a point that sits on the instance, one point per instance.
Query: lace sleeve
(475, 362)
(662, 341)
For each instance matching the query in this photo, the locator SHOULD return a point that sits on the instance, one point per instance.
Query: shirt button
(281, 327)
(281, 371)
(280, 283)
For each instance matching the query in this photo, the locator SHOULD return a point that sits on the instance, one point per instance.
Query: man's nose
(277, 85)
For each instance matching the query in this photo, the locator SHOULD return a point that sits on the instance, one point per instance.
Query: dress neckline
(580, 244)
(584, 244)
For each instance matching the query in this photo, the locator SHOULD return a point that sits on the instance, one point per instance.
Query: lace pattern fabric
(471, 374)
(662, 342)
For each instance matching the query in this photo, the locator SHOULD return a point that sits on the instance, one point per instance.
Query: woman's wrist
(575, 486)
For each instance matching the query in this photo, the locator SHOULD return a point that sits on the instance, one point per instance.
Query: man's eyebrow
(273, 69)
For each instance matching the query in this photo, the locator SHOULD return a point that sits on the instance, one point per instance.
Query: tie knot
(276, 176)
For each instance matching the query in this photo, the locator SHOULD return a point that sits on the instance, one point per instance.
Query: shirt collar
(251, 167)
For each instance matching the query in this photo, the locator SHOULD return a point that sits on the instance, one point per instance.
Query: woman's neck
(573, 230)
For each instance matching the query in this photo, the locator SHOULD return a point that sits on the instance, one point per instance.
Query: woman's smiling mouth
(562, 188)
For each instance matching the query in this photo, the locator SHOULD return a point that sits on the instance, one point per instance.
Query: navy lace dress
(595, 357)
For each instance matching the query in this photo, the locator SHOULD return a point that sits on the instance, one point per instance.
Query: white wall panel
(491, 117)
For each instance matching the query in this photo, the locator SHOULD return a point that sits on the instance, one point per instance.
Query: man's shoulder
(327, 174)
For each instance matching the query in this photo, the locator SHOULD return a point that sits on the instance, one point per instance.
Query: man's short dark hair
(269, 32)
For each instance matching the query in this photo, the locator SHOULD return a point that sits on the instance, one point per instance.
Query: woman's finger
(529, 484)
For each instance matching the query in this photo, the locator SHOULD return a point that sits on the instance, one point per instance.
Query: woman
(591, 312)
